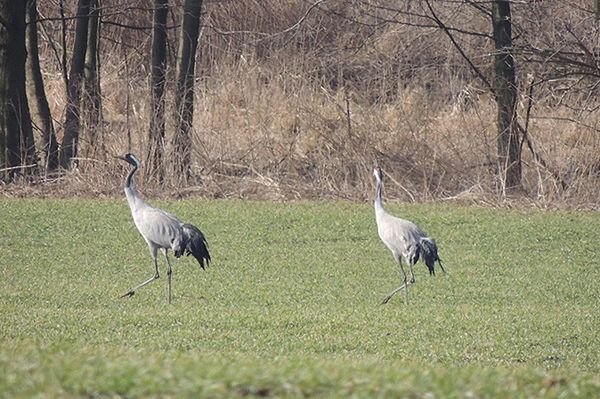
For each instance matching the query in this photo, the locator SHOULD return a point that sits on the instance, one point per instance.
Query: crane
(405, 240)
(162, 230)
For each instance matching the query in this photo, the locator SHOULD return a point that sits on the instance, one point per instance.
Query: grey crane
(407, 242)
(162, 230)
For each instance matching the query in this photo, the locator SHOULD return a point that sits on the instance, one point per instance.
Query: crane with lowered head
(162, 230)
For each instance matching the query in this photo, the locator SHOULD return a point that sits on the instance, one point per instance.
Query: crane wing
(195, 244)
(429, 253)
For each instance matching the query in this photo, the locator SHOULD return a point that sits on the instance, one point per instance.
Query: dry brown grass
(271, 118)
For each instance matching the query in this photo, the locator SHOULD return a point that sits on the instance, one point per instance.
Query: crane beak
(130, 159)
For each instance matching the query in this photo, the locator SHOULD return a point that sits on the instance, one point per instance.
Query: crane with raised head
(405, 240)
(162, 230)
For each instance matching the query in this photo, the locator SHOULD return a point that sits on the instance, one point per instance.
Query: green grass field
(291, 304)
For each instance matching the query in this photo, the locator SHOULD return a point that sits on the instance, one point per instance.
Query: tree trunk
(92, 99)
(72, 112)
(156, 135)
(509, 156)
(17, 146)
(184, 95)
(49, 142)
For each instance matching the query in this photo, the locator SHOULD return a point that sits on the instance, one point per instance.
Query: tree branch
(459, 49)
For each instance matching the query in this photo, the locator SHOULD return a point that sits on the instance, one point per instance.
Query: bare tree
(509, 154)
(184, 94)
(503, 88)
(92, 98)
(17, 146)
(72, 112)
(49, 143)
(156, 134)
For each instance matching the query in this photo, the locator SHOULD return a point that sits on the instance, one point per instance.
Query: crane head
(378, 173)
(131, 159)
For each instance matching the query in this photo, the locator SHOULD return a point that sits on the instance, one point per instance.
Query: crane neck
(378, 201)
(133, 197)
(129, 181)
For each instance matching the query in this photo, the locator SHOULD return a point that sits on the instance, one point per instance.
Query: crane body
(163, 231)
(407, 242)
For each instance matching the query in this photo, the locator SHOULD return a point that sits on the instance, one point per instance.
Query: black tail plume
(195, 244)
(429, 253)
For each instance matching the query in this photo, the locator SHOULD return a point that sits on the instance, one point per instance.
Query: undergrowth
(297, 100)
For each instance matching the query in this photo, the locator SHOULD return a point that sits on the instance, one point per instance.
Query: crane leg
(132, 291)
(396, 290)
(441, 266)
(169, 273)
(412, 274)
(404, 287)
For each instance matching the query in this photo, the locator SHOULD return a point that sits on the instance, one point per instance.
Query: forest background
(477, 101)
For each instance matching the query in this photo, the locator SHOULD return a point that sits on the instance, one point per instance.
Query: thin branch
(294, 26)
(478, 7)
(414, 24)
(55, 51)
(18, 167)
(527, 113)
(134, 27)
(459, 49)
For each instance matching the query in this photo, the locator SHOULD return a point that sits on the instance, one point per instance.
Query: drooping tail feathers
(195, 244)
(429, 253)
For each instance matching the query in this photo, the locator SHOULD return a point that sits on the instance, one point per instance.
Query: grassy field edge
(291, 305)
(129, 373)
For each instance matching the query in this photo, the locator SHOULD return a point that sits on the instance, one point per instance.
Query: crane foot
(128, 294)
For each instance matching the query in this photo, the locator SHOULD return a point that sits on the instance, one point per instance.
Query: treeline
(82, 80)
(524, 56)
